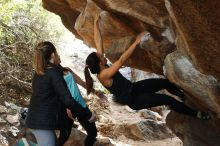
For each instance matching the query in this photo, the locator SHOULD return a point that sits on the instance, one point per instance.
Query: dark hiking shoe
(203, 116)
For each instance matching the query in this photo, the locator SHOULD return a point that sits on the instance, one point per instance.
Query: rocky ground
(117, 125)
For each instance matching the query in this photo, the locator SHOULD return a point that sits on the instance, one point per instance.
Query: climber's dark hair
(92, 64)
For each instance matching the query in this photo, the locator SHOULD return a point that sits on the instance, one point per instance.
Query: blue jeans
(45, 137)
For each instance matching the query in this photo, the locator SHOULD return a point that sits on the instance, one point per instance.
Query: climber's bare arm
(107, 73)
(97, 35)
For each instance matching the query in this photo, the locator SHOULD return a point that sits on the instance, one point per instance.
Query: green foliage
(23, 24)
(26, 21)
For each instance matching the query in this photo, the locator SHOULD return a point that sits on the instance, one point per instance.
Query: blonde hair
(42, 56)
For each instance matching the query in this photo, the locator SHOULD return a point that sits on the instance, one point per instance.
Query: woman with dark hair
(139, 95)
(72, 80)
(50, 97)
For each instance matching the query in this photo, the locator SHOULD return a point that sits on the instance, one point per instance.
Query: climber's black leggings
(144, 96)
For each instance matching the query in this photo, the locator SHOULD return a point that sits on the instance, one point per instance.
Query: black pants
(90, 130)
(65, 132)
(65, 129)
(144, 96)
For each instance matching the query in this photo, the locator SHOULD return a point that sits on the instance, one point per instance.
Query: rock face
(197, 133)
(183, 45)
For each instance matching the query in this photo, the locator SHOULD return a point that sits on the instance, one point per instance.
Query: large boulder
(183, 45)
(197, 133)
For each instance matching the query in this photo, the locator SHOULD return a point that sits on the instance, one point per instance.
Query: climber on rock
(138, 95)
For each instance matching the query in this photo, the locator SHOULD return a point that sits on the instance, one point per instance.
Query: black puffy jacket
(50, 93)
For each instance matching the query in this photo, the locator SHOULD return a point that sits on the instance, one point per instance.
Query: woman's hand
(92, 118)
(101, 95)
(69, 114)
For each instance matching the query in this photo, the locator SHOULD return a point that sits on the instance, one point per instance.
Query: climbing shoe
(203, 116)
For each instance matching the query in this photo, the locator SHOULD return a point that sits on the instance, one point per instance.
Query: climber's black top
(121, 88)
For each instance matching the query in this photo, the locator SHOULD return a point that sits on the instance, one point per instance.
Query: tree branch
(25, 84)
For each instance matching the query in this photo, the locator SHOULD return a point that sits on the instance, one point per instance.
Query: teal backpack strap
(24, 142)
